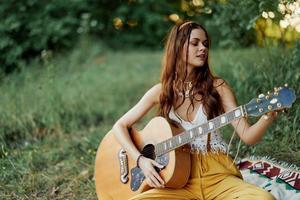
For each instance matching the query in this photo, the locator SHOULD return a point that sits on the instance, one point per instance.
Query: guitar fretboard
(189, 135)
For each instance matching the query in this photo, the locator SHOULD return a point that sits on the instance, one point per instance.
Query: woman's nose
(201, 46)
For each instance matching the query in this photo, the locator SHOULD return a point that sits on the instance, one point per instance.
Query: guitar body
(116, 174)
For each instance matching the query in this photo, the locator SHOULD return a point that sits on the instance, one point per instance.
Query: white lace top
(217, 143)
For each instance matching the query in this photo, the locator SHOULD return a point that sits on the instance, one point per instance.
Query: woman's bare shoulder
(157, 87)
(219, 82)
(222, 86)
(154, 92)
(226, 93)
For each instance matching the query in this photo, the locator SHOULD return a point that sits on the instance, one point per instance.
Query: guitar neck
(190, 135)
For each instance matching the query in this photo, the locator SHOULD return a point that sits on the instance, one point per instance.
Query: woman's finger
(157, 176)
(156, 164)
(149, 182)
(155, 182)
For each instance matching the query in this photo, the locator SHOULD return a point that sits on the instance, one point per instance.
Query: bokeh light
(118, 24)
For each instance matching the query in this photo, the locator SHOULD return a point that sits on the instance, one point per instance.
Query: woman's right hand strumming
(152, 178)
(120, 129)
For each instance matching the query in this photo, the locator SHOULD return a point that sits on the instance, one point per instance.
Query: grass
(54, 115)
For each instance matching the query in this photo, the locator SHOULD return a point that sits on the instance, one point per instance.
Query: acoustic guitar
(116, 175)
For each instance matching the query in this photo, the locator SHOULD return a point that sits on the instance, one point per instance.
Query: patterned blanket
(281, 179)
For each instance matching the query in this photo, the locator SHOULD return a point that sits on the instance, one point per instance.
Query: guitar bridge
(123, 161)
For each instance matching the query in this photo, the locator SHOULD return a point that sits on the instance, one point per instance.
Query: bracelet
(137, 160)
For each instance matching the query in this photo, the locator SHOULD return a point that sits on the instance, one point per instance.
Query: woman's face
(198, 48)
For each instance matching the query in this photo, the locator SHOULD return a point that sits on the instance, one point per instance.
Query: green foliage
(150, 23)
(54, 115)
(30, 26)
(232, 22)
(255, 71)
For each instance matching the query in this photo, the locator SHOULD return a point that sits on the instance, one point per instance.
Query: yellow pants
(213, 176)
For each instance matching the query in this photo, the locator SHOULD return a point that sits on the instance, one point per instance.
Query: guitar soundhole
(148, 151)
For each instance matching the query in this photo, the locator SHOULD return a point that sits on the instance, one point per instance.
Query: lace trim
(217, 144)
(199, 145)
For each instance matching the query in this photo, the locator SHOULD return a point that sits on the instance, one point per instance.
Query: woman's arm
(120, 130)
(122, 125)
(250, 134)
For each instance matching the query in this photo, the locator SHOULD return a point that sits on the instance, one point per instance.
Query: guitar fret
(185, 138)
(237, 113)
(195, 133)
(205, 128)
(161, 148)
(175, 142)
(190, 135)
(200, 130)
(170, 143)
(157, 149)
(217, 122)
(223, 119)
(179, 139)
(210, 125)
(230, 116)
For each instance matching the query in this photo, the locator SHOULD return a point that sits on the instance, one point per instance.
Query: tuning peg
(286, 85)
(261, 96)
(278, 105)
(273, 101)
(269, 92)
(267, 97)
(276, 93)
(275, 89)
(261, 110)
(258, 100)
(269, 107)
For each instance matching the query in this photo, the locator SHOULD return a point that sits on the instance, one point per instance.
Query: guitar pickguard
(137, 177)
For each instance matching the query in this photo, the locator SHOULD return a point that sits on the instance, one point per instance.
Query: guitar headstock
(280, 98)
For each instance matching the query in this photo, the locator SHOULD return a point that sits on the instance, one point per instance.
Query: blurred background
(70, 69)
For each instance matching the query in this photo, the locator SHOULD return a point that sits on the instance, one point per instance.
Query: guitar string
(150, 151)
(171, 149)
(230, 112)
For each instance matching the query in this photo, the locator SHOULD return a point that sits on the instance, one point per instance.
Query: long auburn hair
(174, 74)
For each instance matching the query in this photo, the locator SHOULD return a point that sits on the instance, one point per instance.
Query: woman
(188, 95)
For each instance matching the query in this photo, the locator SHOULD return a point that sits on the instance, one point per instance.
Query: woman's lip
(201, 56)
